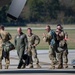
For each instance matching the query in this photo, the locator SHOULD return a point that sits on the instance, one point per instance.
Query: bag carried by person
(53, 40)
(8, 46)
(26, 58)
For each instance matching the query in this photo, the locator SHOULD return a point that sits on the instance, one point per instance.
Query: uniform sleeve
(66, 36)
(9, 36)
(3, 36)
(62, 35)
(37, 40)
(15, 41)
(47, 37)
(6, 36)
(26, 42)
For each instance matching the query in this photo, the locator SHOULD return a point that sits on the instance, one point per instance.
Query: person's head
(29, 31)
(57, 31)
(1, 27)
(59, 27)
(19, 30)
(48, 28)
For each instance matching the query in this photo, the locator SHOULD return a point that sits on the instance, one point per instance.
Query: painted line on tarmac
(29, 71)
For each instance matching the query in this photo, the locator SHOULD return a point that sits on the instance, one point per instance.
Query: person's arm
(47, 37)
(62, 35)
(9, 36)
(26, 42)
(15, 41)
(37, 40)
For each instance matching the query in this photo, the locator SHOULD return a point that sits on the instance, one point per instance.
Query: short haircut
(1, 26)
(29, 29)
(48, 26)
(58, 24)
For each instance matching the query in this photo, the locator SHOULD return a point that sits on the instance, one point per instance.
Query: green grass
(44, 45)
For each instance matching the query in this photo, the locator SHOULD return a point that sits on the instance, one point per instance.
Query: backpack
(26, 57)
(53, 40)
(8, 46)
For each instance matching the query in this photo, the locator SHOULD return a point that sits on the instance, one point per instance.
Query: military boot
(23, 66)
(6, 67)
(66, 65)
(38, 66)
(30, 65)
(52, 67)
(59, 67)
(0, 66)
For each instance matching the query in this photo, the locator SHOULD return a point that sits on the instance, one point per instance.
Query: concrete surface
(44, 62)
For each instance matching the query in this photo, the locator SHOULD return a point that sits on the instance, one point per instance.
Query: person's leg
(60, 60)
(7, 60)
(0, 58)
(30, 58)
(65, 57)
(52, 57)
(34, 53)
(21, 52)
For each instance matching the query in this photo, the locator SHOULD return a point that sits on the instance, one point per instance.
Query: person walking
(50, 37)
(21, 45)
(65, 52)
(33, 41)
(5, 38)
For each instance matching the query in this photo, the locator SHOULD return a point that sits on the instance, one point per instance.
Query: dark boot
(60, 67)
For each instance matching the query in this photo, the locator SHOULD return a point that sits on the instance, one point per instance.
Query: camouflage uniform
(1, 49)
(5, 36)
(21, 44)
(52, 47)
(61, 46)
(65, 53)
(33, 39)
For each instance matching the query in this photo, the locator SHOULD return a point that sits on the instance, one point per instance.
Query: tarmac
(44, 62)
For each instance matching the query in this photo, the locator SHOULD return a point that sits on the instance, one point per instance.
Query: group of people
(26, 44)
(58, 49)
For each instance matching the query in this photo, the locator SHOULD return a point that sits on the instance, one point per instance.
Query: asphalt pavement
(44, 62)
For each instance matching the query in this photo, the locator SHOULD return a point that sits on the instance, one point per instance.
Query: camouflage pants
(65, 54)
(62, 58)
(33, 53)
(65, 57)
(52, 56)
(6, 56)
(1, 57)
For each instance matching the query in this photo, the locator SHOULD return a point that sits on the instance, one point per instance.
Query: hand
(34, 45)
(44, 35)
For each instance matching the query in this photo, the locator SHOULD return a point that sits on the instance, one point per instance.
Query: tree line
(44, 11)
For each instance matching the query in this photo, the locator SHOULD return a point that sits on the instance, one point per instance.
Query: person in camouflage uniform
(50, 38)
(65, 52)
(33, 41)
(61, 47)
(21, 45)
(1, 48)
(5, 36)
